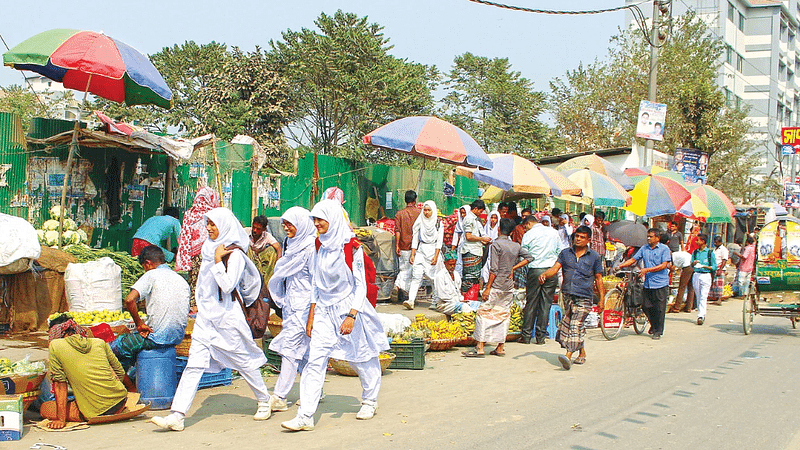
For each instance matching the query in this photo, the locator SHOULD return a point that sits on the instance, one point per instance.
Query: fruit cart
(775, 286)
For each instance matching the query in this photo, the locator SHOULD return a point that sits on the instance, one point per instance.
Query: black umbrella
(629, 233)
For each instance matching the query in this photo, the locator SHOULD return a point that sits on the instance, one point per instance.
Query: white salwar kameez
(290, 289)
(221, 336)
(492, 232)
(335, 291)
(427, 239)
(459, 232)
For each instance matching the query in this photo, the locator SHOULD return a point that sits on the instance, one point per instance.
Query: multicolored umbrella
(600, 188)
(597, 164)
(517, 175)
(432, 138)
(637, 174)
(93, 62)
(655, 196)
(719, 206)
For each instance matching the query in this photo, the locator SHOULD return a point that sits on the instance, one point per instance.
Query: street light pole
(653, 86)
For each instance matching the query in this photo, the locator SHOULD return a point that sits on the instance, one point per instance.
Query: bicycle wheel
(612, 319)
(639, 320)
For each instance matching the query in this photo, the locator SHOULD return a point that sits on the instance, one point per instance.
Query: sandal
(579, 360)
(495, 353)
(565, 362)
(472, 354)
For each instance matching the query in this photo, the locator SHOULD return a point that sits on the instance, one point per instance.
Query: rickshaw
(775, 286)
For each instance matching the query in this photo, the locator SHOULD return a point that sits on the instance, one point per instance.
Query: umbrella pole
(216, 169)
(421, 172)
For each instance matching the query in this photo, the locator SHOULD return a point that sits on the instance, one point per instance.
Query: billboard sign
(650, 122)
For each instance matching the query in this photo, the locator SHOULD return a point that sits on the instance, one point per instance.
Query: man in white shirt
(721, 255)
(543, 244)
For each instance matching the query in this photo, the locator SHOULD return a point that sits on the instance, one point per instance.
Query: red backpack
(369, 268)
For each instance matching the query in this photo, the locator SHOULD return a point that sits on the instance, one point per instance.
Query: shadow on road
(551, 358)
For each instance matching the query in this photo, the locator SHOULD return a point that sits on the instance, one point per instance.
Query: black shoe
(524, 341)
(656, 336)
(540, 341)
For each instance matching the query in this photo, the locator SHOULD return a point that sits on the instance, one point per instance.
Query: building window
(738, 102)
(780, 113)
(788, 116)
(741, 22)
(781, 71)
(728, 98)
(790, 76)
(731, 12)
(739, 62)
(729, 54)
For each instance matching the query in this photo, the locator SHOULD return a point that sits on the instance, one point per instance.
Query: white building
(759, 67)
(67, 107)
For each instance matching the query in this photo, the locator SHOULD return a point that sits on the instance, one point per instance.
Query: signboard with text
(650, 123)
(692, 163)
(790, 140)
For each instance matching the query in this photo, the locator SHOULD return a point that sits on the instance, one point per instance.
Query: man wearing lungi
(582, 268)
(472, 251)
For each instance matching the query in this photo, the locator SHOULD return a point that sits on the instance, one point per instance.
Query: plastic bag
(472, 293)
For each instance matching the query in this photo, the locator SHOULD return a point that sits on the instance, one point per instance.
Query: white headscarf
(426, 227)
(589, 218)
(298, 251)
(230, 232)
(492, 232)
(331, 276)
(460, 223)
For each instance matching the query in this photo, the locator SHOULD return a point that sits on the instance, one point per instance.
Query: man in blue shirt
(656, 257)
(159, 231)
(582, 269)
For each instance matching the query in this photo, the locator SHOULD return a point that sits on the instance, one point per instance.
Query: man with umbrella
(656, 257)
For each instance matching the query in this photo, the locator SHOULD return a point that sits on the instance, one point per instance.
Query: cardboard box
(10, 417)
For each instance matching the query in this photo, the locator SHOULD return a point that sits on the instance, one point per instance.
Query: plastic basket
(409, 356)
(222, 378)
(273, 358)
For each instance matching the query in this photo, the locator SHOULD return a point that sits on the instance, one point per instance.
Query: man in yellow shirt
(89, 366)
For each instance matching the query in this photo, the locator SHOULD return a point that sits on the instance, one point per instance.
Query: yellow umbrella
(521, 178)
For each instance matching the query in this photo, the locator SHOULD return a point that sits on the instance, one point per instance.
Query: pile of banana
(515, 324)
(363, 232)
(467, 320)
(727, 291)
(439, 330)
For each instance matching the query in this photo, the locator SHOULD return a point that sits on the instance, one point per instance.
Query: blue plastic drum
(156, 379)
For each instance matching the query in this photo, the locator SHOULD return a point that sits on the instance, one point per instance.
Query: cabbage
(70, 224)
(51, 224)
(26, 367)
(84, 237)
(40, 235)
(51, 237)
(55, 212)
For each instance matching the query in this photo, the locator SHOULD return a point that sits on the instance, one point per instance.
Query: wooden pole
(168, 185)
(73, 145)
(315, 181)
(216, 169)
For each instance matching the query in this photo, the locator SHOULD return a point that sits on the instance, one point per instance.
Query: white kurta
(422, 261)
(293, 341)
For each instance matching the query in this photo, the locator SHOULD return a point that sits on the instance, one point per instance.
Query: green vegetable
(131, 269)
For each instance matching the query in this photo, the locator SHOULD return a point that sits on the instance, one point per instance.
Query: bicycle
(622, 307)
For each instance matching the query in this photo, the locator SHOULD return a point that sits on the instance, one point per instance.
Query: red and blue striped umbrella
(432, 138)
(656, 196)
(92, 62)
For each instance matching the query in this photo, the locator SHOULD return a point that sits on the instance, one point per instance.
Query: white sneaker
(264, 410)
(299, 424)
(170, 422)
(367, 410)
(278, 404)
(408, 305)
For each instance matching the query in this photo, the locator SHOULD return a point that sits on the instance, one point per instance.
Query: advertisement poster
(650, 122)
(693, 164)
(790, 140)
(791, 194)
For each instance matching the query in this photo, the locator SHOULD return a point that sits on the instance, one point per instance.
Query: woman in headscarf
(193, 234)
(221, 336)
(342, 323)
(426, 243)
(458, 236)
(290, 289)
(598, 240)
(492, 229)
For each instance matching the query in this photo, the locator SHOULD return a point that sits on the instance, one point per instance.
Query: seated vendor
(447, 289)
(159, 230)
(167, 298)
(90, 368)
(264, 249)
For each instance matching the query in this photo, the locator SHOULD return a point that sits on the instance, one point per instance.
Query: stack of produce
(515, 324)
(131, 269)
(408, 335)
(467, 321)
(92, 318)
(48, 235)
(21, 367)
(727, 291)
(439, 330)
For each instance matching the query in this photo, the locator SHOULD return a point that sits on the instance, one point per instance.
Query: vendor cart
(775, 287)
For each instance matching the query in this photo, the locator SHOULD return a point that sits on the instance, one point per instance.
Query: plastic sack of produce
(19, 244)
(94, 285)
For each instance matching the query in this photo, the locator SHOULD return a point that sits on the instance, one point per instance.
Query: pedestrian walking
(458, 238)
(221, 336)
(582, 270)
(494, 314)
(704, 265)
(656, 257)
(747, 263)
(472, 250)
(342, 324)
(426, 245)
(290, 290)
(721, 256)
(404, 222)
(543, 245)
(492, 229)
(193, 234)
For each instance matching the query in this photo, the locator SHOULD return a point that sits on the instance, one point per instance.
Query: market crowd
(317, 278)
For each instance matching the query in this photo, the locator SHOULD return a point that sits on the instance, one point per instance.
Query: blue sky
(425, 31)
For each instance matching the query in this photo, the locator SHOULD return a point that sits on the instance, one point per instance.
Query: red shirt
(748, 260)
(404, 221)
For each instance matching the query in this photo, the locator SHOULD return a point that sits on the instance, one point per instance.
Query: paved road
(708, 386)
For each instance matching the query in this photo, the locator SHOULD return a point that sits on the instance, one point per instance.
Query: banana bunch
(438, 330)
(515, 324)
(466, 321)
(408, 335)
(363, 232)
(727, 291)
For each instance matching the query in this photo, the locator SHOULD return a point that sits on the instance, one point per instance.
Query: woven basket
(344, 368)
(512, 337)
(439, 345)
(274, 327)
(182, 349)
(467, 342)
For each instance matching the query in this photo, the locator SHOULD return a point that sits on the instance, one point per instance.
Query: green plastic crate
(272, 357)
(409, 356)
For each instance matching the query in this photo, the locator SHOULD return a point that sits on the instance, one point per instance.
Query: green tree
(497, 107)
(24, 103)
(345, 84)
(596, 106)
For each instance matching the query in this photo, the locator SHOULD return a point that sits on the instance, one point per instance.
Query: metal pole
(652, 87)
(216, 170)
